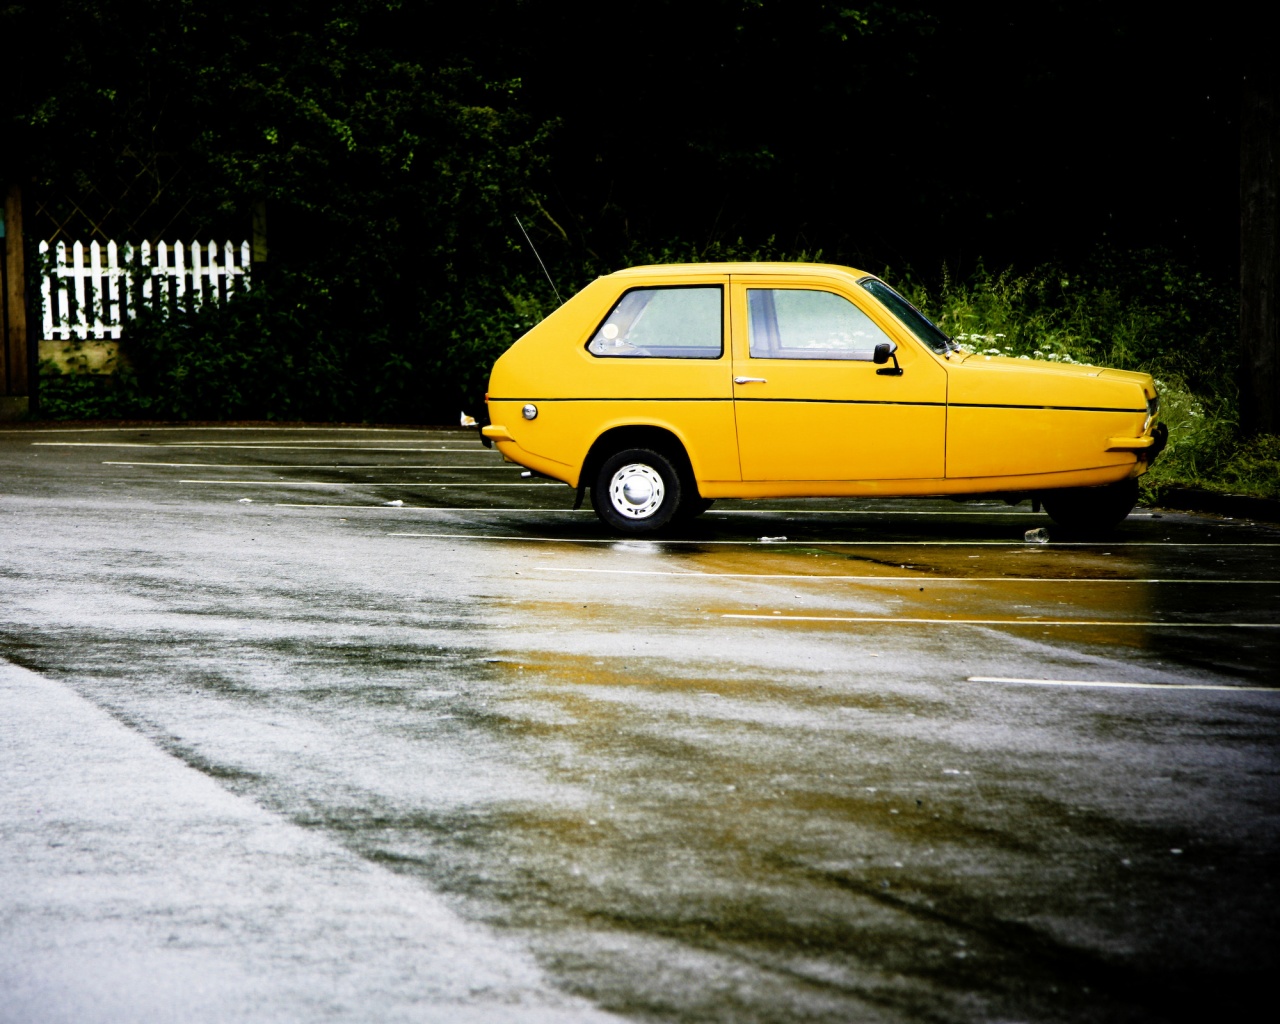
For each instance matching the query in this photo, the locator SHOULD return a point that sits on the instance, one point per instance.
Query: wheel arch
(638, 435)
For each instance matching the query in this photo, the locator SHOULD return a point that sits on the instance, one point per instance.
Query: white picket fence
(93, 298)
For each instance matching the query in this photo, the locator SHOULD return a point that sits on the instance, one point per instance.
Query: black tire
(694, 505)
(637, 491)
(1092, 510)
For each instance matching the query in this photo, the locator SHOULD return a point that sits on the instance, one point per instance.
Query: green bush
(281, 351)
(1144, 311)
(83, 396)
(258, 355)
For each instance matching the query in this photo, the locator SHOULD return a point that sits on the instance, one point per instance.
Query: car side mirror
(882, 354)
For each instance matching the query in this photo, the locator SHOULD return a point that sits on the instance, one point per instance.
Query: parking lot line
(269, 483)
(910, 621)
(504, 465)
(297, 447)
(417, 438)
(304, 465)
(149, 429)
(823, 543)
(360, 483)
(898, 579)
(573, 540)
(1013, 680)
(880, 512)
(429, 508)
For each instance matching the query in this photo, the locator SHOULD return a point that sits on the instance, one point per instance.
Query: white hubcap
(636, 491)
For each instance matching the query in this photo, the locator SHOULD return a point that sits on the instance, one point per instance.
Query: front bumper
(1160, 441)
(1146, 447)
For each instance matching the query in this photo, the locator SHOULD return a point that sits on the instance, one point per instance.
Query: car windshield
(915, 321)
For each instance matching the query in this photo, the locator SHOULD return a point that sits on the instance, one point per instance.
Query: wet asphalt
(353, 724)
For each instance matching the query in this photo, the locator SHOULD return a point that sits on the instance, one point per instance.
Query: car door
(809, 402)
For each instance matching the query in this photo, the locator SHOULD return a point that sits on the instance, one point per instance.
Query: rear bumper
(512, 452)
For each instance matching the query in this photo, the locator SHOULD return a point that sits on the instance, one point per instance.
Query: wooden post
(4, 308)
(1260, 254)
(16, 382)
(258, 268)
(260, 232)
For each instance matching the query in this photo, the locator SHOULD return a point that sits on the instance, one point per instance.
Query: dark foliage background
(899, 134)
(394, 142)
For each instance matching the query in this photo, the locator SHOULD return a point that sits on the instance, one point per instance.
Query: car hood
(975, 359)
(1011, 363)
(982, 378)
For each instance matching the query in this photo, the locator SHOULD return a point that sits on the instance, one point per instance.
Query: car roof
(662, 270)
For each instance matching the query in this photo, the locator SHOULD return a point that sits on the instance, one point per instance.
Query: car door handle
(749, 380)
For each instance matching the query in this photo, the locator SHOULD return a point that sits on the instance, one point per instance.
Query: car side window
(664, 323)
(799, 323)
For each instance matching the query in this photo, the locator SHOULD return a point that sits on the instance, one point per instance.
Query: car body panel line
(830, 401)
(843, 401)
(1055, 408)
(595, 398)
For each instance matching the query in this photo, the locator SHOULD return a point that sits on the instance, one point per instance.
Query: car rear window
(663, 323)
(802, 323)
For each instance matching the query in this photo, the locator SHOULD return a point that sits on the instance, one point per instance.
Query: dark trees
(394, 141)
(1260, 253)
(389, 165)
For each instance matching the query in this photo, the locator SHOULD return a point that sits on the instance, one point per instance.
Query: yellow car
(663, 388)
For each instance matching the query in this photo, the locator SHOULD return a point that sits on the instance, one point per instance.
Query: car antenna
(540, 263)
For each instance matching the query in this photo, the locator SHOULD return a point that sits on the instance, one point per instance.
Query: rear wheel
(1092, 509)
(637, 490)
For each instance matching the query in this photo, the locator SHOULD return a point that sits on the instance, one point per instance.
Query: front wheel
(637, 490)
(1092, 510)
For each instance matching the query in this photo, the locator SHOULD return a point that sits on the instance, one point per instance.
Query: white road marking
(822, 543)
(879, 512)
(885, 579)
(907, 620)
(1023, 544)
(430, 508)
(499, 464)
(269, 483)
(1125, 686)
(307, 465)
(418, 439)
(572, 540)
(273, 430)
(297, 447)
(358, 483)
